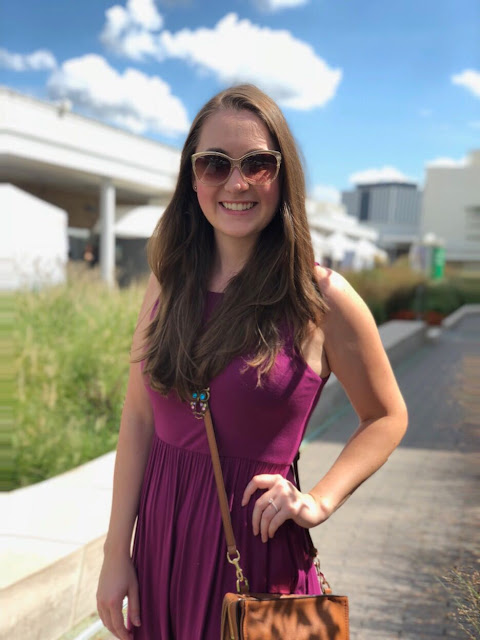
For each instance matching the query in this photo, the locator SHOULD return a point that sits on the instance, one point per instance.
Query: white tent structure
(134, 222)
(339, 239)
(367, 254)
(341, 247)
(33, 240)
(138, 222)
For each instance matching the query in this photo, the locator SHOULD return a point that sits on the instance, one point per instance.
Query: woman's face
(237, 209)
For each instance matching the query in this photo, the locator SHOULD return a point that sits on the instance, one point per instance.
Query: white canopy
(339, 245)
(33, 240)
(137, 222)
(365, 254)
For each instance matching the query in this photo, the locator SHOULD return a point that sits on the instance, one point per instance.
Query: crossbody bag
(262, 616)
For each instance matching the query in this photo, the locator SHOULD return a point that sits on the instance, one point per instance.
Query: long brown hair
(275, 287)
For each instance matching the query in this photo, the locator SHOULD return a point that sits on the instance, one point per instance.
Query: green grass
(70, 365)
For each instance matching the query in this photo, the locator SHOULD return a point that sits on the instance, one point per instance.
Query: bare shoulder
(340, 296)
(354, 349)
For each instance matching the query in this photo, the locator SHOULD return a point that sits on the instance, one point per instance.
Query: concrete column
(107, 233)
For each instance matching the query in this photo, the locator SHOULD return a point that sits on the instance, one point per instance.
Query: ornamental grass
(70, 361)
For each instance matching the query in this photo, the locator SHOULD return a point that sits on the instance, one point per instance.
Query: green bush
(443, 297)
(395, 290)
(385, 289)
(468, 289)
(71, 365)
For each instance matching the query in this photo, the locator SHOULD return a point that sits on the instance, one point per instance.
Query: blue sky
(371, 90)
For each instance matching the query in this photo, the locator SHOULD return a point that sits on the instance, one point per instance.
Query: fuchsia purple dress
(180, 549)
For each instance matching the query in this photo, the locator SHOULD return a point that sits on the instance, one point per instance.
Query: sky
(372, 90)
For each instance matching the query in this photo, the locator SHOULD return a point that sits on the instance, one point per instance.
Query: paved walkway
(419, 516)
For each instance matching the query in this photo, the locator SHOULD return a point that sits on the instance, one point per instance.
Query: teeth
(238, 206)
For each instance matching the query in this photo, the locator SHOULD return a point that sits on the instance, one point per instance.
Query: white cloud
(40, 60)
(132, 99)
(470, 79)
(128, 31)
(447, 162)
(239, 51)
(385, 174)
(325, 193)
(278, 5)
(234, 51)
(145, 13)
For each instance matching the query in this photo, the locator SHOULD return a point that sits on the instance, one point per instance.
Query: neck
(231, 255)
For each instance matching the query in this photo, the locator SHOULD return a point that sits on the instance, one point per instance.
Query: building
(391, 208)
(93, 171)
(451, 210)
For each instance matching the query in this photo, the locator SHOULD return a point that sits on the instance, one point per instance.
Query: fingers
(267, 516)
(105, 617)
(134, 606)
(117, 580)
(280, 502)
(271, 521)
(119, 628)
(112, 618)
(262, 481)
(273, 507)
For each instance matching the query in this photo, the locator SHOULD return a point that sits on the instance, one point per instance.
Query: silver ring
(273, 505)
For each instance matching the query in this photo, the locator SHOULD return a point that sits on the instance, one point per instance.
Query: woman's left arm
(356, 356)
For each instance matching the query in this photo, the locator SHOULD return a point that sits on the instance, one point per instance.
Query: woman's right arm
(118, 578)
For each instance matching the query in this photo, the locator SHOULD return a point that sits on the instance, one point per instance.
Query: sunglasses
(256, 167)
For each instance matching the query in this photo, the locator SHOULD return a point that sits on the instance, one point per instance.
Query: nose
(236, 182)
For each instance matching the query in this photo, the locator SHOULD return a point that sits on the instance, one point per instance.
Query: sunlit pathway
(419, 516)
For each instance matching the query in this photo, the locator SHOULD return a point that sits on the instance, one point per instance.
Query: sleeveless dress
(179, 549)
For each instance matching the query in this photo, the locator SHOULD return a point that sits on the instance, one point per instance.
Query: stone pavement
(388, 547)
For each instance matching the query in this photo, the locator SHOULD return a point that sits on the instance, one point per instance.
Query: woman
(235, 303)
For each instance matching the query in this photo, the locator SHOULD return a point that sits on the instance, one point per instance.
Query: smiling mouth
(238, 206)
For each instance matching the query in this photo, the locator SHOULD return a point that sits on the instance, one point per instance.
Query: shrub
(380, 288)
(398, 292)
(464, 585)
(71, 365)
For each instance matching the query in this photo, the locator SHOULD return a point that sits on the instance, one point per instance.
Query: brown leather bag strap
(222, 494)
(233, 554)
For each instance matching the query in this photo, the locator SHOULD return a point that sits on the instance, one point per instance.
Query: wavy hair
(275, 288)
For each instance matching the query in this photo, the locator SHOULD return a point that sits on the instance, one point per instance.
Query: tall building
(451, 209)
(391, 208)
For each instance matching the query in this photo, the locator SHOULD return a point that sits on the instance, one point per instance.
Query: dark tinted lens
(212, 169)
(260, 168)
